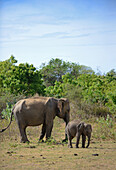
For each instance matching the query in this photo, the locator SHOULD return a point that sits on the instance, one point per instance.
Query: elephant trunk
(67, 118)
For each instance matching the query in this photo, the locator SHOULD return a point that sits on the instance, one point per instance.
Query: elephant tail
(9, 123)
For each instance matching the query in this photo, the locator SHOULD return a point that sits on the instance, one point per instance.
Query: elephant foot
(25, 141)
(77, 147)
(70, 146)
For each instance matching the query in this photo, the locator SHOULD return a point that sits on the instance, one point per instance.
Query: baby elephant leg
(83, 140)
(69, 141)
(77, 141)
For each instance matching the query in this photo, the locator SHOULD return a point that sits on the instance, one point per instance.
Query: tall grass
(105, 129)
(6, 113)
(8, 98)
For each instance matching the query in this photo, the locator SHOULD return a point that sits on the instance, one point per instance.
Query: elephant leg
(22, 130)
(42, 132)
(70, 142)
(77, 141)
(22, 127)
(48, 130)
(23, 135)
(83, 140)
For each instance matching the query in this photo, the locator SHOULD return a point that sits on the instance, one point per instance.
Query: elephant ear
(80, 126)
(60, 105)
(64, 108)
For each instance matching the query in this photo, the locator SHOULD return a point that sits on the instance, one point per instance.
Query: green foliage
(22, 79)
(8, 98)
(51, 141)
(5, 66)
(56, 90)
(94, 94)
(106, 121)
(25, 79)
(106, 128)
(56, 68)
(53, 71)
(16, 82)
(89, 93)
(6, 113)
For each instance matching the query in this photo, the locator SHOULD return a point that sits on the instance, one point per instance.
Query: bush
(105, 128)
(7, 100)
(81, 108)
(6, 113)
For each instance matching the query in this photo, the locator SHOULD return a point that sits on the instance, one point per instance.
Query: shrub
(6, 113)
(7, 100)
(105, 128)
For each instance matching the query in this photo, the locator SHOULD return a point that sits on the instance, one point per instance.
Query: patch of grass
(105, 128)
(60, 157)
(13, 145)
(53, 154)
(51, 141)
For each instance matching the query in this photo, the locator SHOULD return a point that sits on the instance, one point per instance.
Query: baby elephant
(78, 128)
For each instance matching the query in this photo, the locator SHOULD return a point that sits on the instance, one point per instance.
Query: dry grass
(15, 155)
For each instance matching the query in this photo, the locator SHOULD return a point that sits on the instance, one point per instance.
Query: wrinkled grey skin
(37, 111)
(78, 128)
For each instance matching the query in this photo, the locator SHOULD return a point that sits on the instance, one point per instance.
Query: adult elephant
(37, 111)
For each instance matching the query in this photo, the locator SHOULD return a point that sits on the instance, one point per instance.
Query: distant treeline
(86, 89)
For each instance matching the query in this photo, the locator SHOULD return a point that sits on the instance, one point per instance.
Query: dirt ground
(53, 155)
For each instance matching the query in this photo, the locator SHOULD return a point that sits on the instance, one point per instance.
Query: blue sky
(81, 31)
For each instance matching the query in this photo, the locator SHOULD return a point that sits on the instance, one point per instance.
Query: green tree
(22, 79)
(53, 71)
(5, 66)
(77, 70)
(96, 90)
(56, 68)
(111, 73)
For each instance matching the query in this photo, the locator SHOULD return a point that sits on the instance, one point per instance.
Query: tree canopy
(56, 68)
(21, 79)
(60, 79)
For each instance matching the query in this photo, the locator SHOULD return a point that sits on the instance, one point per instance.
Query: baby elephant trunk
(89, 137)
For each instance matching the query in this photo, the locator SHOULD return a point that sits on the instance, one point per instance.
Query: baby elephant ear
(80, 126)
